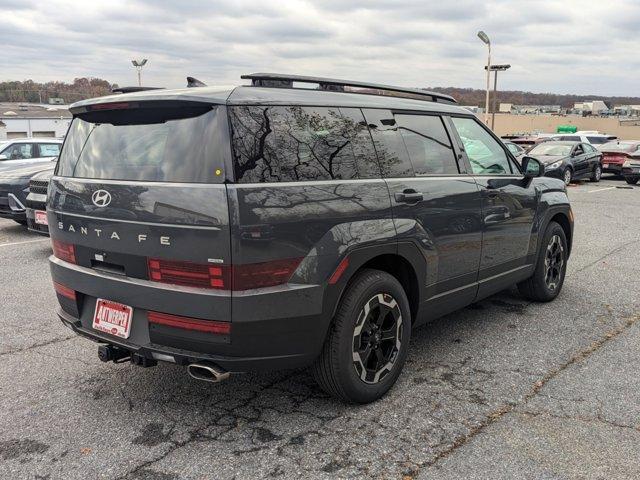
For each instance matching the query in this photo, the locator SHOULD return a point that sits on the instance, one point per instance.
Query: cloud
(553, 45)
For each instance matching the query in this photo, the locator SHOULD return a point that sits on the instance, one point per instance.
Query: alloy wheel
(567, 176)
(598, 172)
(553, 263)
(377, 338)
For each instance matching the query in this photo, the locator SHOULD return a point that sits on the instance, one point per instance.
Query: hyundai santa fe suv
(272, 226)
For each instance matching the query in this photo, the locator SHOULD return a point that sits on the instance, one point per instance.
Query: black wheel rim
(553, 263)
(377, 338)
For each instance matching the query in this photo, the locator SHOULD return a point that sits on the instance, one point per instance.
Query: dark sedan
(569, 161)
(14, 188)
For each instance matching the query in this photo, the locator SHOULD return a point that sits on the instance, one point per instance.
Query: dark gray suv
(273, 226)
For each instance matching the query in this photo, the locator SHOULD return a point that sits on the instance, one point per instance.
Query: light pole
(485, 38)
(496, 69)
(139, 64)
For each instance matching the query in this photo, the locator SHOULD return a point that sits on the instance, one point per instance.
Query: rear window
(293, 143)
(154, 145)
(49, 149)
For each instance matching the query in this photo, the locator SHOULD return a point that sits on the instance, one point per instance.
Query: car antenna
(194, 82)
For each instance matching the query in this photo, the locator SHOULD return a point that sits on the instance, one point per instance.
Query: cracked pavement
(502, 389)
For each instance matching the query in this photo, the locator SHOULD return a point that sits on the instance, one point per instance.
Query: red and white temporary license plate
(113, 317)
(606, 165)
(41, 217)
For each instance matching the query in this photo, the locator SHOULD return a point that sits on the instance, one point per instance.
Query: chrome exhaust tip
(207, 372)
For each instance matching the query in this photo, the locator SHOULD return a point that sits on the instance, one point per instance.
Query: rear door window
(294, 143)
(49, 149)
(390, 147)
(428, 144)
(486, 155)
(155, 145)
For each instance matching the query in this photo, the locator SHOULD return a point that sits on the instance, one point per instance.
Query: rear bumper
(612, 168)
(271, 330)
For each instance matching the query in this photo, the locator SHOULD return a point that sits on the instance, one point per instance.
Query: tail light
(64, 251)
(222, 277)
(188, 274)
(188, 323)
(265, 274)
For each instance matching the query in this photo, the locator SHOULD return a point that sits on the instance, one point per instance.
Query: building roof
(10, 110)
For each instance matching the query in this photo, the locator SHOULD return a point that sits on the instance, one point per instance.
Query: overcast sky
(560, 46)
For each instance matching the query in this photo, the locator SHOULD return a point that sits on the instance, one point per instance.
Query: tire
(567, 176)
(545, 285)
(596, 174)
(631, 180)
(370, 296)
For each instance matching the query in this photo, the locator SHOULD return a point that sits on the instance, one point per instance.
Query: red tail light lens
(64, 291)
(265, 274)
(188, 323)
(188, 274)
(64, 251)
(223, 277)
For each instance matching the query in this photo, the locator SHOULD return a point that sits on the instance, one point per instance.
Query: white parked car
(24, 151)
(592, 138)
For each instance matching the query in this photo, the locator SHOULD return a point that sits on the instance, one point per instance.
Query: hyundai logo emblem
(101, 198)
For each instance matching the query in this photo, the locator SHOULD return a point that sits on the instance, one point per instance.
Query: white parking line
(600, 189)
(22, 243)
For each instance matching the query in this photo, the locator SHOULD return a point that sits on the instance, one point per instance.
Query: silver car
(25, 151)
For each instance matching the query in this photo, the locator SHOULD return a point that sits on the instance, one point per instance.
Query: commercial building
(33, 120)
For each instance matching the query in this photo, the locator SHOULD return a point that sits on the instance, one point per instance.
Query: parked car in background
(614, 154)
(631, 170)
(569, 161)
(25, 151)
(36, 202)
(515, 149)
(595, 139)
(271, 227)
(14, 187)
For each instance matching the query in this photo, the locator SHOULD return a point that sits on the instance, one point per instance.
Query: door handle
(409, 196)
(492, 193)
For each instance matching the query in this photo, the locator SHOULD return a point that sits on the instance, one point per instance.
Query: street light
(496, 69)
(139, 64)
(485, 38)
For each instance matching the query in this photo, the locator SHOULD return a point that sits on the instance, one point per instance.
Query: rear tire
(596, 174)
(567, 176)
(367, 343)
(547, 279)
(631, 180)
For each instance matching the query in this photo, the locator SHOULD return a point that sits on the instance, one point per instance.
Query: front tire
(367, 343)
(596, 175)
(631, 180)
(547, 279)
(567, 176)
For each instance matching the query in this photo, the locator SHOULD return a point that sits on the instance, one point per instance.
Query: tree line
(28, 91)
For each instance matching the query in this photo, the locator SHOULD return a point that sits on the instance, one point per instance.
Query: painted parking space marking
(22, 243)
(600, 189)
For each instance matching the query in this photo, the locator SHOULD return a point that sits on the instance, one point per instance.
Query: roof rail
(278, 80)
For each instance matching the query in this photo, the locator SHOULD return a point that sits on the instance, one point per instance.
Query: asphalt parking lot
(502, 389)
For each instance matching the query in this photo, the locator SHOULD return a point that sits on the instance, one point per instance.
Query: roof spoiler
(277, 80)
(134, 89)
(193, 82)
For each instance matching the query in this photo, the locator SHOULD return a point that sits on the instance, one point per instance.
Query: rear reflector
(222, 277)
(64, 291)
(342, 266)
(188, 323)
(64, 251)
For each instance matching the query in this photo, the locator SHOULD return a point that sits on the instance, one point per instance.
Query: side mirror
(3, 157)
(532, 167)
